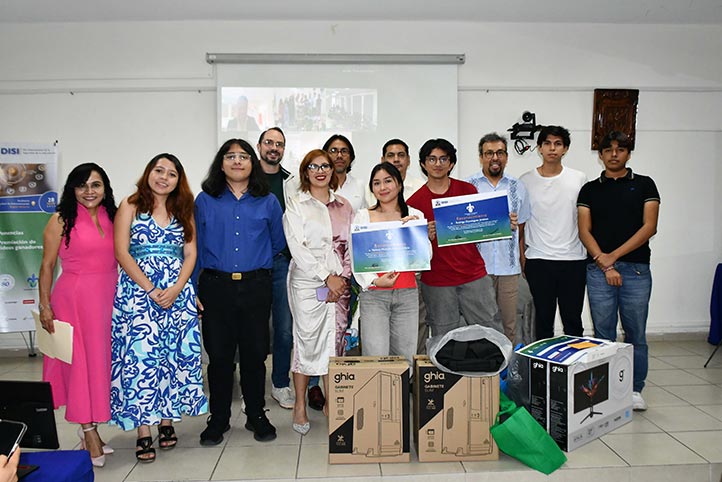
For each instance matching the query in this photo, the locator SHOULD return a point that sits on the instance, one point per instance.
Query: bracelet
(41, 307)
(597, 257)
(151, 290)
(608, 268)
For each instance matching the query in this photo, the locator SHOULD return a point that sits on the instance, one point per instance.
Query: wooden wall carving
(614, 110)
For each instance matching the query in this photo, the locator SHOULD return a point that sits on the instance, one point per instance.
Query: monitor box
(453, 414)
(368, 407)
(579, 388)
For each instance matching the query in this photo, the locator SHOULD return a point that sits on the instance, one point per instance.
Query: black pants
(235, 318)
(557, 281)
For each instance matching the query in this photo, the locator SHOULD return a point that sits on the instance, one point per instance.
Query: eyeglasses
(335, 150)
(271, 143)
(94, 187)
(490, 154)
(232, 156)
(319, 168)
(443, 160)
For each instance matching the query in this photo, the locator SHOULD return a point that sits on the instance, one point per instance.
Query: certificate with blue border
(472, 218)
(390, 246)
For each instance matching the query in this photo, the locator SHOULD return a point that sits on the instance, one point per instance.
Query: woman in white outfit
(389, 302)
(316, 224)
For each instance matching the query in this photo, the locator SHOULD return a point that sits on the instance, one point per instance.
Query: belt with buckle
(238, 276)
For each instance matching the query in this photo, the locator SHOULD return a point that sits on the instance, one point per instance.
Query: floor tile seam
(218, 460)
(690, 448)
(298, 459)
(629, 465)
(687, 370)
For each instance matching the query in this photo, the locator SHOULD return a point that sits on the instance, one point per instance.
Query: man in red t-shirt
(456, 291)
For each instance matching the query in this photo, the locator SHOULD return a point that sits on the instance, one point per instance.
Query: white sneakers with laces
(638, 403)
(284, 396)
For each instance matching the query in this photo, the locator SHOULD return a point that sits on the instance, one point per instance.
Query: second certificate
(390, 246)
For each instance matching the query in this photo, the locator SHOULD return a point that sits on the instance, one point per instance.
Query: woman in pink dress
(80, 233)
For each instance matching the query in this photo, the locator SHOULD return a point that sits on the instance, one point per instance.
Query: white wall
(119, 93)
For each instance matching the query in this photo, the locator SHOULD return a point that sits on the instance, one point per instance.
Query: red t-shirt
(450, 265)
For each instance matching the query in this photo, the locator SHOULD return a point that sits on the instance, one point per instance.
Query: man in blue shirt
(239, 232)
(502, 256)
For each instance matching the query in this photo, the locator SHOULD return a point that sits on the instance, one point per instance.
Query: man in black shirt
(617, 215)
(271, 146)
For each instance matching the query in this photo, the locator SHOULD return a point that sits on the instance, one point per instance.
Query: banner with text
(28, 196)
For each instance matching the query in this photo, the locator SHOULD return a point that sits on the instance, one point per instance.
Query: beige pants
(507, 289)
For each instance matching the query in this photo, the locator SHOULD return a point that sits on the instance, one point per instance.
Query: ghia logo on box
(9, 150)
(339, 377)
(433, 376)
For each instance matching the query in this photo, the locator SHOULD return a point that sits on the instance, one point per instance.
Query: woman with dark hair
(389, 302)
(80, 233)
(239, 234)
(156, 370)
(316, 224)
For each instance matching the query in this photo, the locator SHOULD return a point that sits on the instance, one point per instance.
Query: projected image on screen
(298, 109)
(308, 116)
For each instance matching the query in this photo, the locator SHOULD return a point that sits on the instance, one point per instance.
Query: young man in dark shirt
(617, 215)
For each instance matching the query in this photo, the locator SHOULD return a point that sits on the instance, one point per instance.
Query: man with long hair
(239, 233)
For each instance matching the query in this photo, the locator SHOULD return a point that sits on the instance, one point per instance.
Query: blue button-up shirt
(502, 256)
(237, 235)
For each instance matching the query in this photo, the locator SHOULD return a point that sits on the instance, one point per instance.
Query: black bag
(471, 356)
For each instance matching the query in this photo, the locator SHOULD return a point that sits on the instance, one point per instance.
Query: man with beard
(502, 257)
(342, 154)
(271, 146)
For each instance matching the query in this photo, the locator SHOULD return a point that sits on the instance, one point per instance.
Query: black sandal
(166, 437)
(146, 447)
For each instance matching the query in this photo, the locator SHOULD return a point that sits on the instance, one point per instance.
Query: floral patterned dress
(156, 353)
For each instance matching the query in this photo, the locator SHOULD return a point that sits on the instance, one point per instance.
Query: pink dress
(83, 296)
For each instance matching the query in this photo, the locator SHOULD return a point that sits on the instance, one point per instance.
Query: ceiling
(525, 11)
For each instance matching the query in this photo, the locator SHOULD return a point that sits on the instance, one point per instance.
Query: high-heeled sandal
(146, 447)
(107, 449)
(96, 461)
(167, 438)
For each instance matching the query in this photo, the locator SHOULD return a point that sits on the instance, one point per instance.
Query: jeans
(552, 282)
(389, 322)
(282, 324)
(630, 302)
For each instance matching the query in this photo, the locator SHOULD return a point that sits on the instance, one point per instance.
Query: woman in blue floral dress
(156, 370)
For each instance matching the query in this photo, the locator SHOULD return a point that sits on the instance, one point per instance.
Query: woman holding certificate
(156, 373)
(80, 233)
(316, 224)
(389, 302)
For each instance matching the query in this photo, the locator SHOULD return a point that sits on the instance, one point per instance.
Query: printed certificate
(472, 218)
(390, 246)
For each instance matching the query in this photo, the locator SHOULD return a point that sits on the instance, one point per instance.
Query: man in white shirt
(396, 152)
(502, 256)
(342, 154)
(554, 261)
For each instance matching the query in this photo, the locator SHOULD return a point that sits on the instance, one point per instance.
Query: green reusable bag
(521, 437)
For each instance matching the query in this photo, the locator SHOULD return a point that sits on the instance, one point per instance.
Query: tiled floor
(678, 439)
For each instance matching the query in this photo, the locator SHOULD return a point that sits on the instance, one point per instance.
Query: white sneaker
(284, 396)
(638, 403)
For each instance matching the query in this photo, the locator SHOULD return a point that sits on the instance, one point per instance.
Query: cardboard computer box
(453, 414)
(579, 388)
(368, 408)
